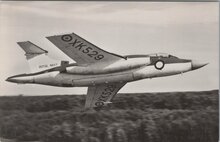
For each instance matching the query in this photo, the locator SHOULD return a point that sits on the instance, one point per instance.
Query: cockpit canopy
(161, 55)
(165, 55)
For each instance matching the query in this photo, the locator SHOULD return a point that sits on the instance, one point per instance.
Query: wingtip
(49, 38)
(60, 34)
(20, 42)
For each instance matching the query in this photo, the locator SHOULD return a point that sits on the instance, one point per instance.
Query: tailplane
(37, 57)
(31, 50)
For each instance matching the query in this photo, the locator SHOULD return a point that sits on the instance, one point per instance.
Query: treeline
(147, 117)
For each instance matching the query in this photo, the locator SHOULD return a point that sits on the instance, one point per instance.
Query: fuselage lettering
(52, 65)
(43, 66)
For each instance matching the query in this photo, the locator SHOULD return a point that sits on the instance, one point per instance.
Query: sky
(186, 30)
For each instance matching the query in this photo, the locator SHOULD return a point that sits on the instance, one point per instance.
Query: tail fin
(31, 50)
(37, 57)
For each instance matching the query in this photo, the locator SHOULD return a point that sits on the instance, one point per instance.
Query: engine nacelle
(121, 65)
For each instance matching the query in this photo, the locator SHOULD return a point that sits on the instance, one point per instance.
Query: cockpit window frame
(163, 55)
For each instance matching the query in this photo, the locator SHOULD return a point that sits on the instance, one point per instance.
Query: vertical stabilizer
(37, 57)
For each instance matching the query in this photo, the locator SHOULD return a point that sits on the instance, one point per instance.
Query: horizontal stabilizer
(37, 58)
(31, 50)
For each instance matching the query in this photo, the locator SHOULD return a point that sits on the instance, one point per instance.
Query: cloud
(120, 12)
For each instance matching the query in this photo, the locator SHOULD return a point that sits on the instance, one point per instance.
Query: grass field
(143, 117)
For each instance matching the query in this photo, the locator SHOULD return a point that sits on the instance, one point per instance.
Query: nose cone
(10, 79)
(20, 79)
(197, 64)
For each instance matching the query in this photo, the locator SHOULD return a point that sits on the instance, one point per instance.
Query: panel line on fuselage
(44, 71)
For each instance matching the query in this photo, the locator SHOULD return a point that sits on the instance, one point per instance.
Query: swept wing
(82, 51)
(98, 96)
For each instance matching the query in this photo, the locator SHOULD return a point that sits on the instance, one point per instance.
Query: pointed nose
(20, 79)
(10, 79)
(197, 64)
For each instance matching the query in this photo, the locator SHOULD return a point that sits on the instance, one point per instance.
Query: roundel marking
(159, 64)
(66, 38)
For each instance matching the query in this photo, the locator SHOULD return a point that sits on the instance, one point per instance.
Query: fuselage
(135, 67)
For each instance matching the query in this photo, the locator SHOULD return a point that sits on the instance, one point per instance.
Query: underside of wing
(82, 51)
(98, 96)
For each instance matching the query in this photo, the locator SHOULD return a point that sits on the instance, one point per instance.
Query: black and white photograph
(109, 71)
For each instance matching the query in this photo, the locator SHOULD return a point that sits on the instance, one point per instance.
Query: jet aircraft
(104, 73)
